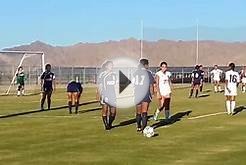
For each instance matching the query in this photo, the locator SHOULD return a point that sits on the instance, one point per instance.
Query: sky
(67, 22)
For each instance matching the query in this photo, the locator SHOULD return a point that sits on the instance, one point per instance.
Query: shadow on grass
(128, 122)
(55, 108)
(203, 95)
(239, 109)
(175, 118)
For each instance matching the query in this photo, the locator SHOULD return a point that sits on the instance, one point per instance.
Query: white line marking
(72, 116)
(202, 116)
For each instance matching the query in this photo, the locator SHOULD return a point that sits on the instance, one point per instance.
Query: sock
(144, 120)
(233, 105)
(23, 92)
(104, 118)
(196, 92)
(215, 89)
(76, 107)
(228, 106)
(201, 88)
(111, 120)
(48, 102)
(138, 120)
(191, 92)
(70, 106)
(167, 114)
(244, 88)
(18, 93)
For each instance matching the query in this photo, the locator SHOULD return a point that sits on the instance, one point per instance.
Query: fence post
(84, 75)
(182, 75)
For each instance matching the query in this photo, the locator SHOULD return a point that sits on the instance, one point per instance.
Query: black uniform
(48, 78)
(197, 76)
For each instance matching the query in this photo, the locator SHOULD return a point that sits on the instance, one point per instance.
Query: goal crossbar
(25, 54)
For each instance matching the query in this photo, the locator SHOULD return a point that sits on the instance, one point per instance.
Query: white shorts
(216, 80)
(165, 92)
(244, 80)
(233, 92)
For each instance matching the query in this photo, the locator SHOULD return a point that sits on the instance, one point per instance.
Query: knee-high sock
(191, 92)
(111, 119)
(196, 92)
(104, 118)
(76, 106)
(70, 106)
(138, 120)
(144, 119)
(228, 106)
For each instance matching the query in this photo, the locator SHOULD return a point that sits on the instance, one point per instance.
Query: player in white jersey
(216, 75)
(232, 80)
(243, 78)
(163, 87)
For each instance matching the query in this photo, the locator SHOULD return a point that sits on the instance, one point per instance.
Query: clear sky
(67, 22)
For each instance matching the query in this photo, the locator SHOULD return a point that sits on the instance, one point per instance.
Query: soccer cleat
(139, 130)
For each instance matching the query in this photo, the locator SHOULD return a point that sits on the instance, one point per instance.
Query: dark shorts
(72, 88)
(146, 99)
(47, 90)
(108, 100)
(196, 83)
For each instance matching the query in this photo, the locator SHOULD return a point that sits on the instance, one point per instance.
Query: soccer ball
(148, 131)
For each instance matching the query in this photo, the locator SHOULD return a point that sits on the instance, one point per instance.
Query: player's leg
(233, 104)
(112, 116)
(243, 87)
(43, 97)
(23, 89)
(69, 98)
(196, 88)
(201, 87)
(138, 116)
(76, 94)
(19, 90)
(167, 107)
(160, 108)
(49, 94)
(145, 108)
(228, 104)
(105, 116)
(192, 90)
(215, 86)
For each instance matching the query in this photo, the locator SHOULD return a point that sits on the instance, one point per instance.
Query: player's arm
(54, 84)
(227, 77)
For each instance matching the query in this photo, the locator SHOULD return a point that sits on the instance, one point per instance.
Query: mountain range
(176, 53)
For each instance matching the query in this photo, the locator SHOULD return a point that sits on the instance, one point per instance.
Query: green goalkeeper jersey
(20, 78)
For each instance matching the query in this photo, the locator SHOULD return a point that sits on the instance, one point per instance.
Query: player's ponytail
(232, 66)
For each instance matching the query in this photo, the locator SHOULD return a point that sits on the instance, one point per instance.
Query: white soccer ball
(148, 131)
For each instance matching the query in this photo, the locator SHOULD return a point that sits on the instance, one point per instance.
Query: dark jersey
(197, 76)
(20, 76)
(143, 79)
(74, 86)
(48, 78)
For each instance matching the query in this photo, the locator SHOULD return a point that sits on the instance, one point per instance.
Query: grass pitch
(55, 137)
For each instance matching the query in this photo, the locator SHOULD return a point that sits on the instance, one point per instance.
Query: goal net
(32, 63)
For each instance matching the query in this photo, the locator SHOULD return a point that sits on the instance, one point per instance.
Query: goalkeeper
(20, 79)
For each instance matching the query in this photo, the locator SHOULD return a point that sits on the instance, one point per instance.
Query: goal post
(25, 55)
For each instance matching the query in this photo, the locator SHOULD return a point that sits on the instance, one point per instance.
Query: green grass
(46, 138)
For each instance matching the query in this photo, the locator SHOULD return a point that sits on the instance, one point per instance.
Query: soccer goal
(33, 64)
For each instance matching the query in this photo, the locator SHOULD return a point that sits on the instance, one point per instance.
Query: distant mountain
(176, 53)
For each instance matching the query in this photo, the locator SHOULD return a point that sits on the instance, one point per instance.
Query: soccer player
(107, 82)
(47, 85)
(243, 78)
(216, 74)
(74, 91)
(140, 80)
(20, 77)
(202, 79)
(232, 80)
(163, 87)
(196, 81)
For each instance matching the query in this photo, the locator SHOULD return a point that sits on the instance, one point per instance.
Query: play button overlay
(122, 82)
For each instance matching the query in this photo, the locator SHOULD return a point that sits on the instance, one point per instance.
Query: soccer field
(205, 136)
